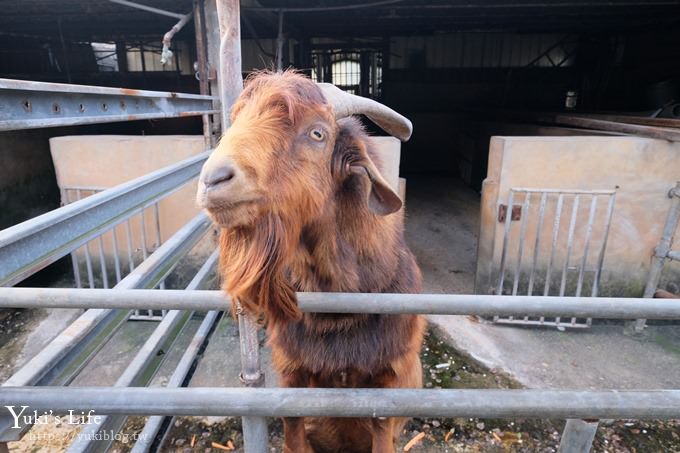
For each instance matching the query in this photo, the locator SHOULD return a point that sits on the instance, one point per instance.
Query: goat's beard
(252, 262)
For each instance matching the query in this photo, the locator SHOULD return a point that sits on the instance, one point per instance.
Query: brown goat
(302, 206)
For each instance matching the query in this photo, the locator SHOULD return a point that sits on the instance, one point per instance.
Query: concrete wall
(108, 160)
(640, 171)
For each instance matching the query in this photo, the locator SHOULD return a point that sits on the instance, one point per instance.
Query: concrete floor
(442, 228)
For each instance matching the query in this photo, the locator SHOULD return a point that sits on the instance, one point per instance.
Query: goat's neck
(347, 251)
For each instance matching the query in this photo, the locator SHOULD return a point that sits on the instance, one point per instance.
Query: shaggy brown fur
(318, 217)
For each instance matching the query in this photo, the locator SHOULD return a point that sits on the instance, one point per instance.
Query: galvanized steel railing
(29, 105)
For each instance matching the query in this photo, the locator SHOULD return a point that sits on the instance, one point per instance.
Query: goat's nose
(222, 174)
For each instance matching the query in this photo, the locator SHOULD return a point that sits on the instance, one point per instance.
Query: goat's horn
(346, 104)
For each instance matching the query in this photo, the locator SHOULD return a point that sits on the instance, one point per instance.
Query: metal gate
(540, 256)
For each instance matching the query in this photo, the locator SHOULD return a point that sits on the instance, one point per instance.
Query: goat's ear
(382, 200)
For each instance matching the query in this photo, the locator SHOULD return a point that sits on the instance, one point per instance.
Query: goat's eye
(317, 134)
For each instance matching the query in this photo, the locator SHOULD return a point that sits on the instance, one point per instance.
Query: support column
(578, 436)
(230, 78)
(202, 69)
(255, 435)
(212, 43)
(661, 251)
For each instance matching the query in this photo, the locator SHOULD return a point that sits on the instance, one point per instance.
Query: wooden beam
(624, 128)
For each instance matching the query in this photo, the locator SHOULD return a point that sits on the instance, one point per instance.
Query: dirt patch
(15, 326)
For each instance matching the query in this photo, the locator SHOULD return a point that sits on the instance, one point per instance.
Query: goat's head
(278, 167)
(280, 152)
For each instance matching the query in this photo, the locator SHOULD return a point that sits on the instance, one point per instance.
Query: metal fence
(42, 383)
(106, 248)
(533, 235)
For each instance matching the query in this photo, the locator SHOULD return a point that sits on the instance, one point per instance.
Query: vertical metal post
(553, 246)
(539, 230)
(230, 78)
(506, 239)
(603, 248)
(202, 65)
(145, 250)
(128, 233)
(116, 258)
(212, 43)
(102, 263)
(66, 199)
(255, 435)
(661, 251)
(280, 41)
(578, 436)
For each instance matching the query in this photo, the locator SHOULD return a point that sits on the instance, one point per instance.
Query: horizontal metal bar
(445, 304)
(322, 402)
(572, 191)
(34, 244)
(31, 86)
(674, 255)
(147, 8)
(29, 105)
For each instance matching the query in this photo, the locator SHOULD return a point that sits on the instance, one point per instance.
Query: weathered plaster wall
(641, 171)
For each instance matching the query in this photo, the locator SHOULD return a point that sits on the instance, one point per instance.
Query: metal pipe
(539, 231)
(116, 258)
(102, 263)
(202, 65)
(130, 247)
(279, 44)
(553, 246)
(330, 402)
(150, 9)
(34, 244)
(145, 248)
(603, 248)
(578, 436)
(586, 245)
(506, 234)
(662, 249)
(444, 304)
(674, 255)
(522, 235)
(88, 265)
(166, 53)
(230, 78)
(231, 84)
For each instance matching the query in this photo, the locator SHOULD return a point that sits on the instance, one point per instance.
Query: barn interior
(461, 71)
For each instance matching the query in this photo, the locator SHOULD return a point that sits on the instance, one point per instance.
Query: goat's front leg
(382, 435)
(294, 436)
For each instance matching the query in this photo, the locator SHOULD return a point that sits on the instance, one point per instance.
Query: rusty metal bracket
(514, 216)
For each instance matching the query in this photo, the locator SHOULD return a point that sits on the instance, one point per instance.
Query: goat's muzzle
(224, 191)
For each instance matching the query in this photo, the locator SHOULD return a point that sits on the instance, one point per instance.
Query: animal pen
(43, 383)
